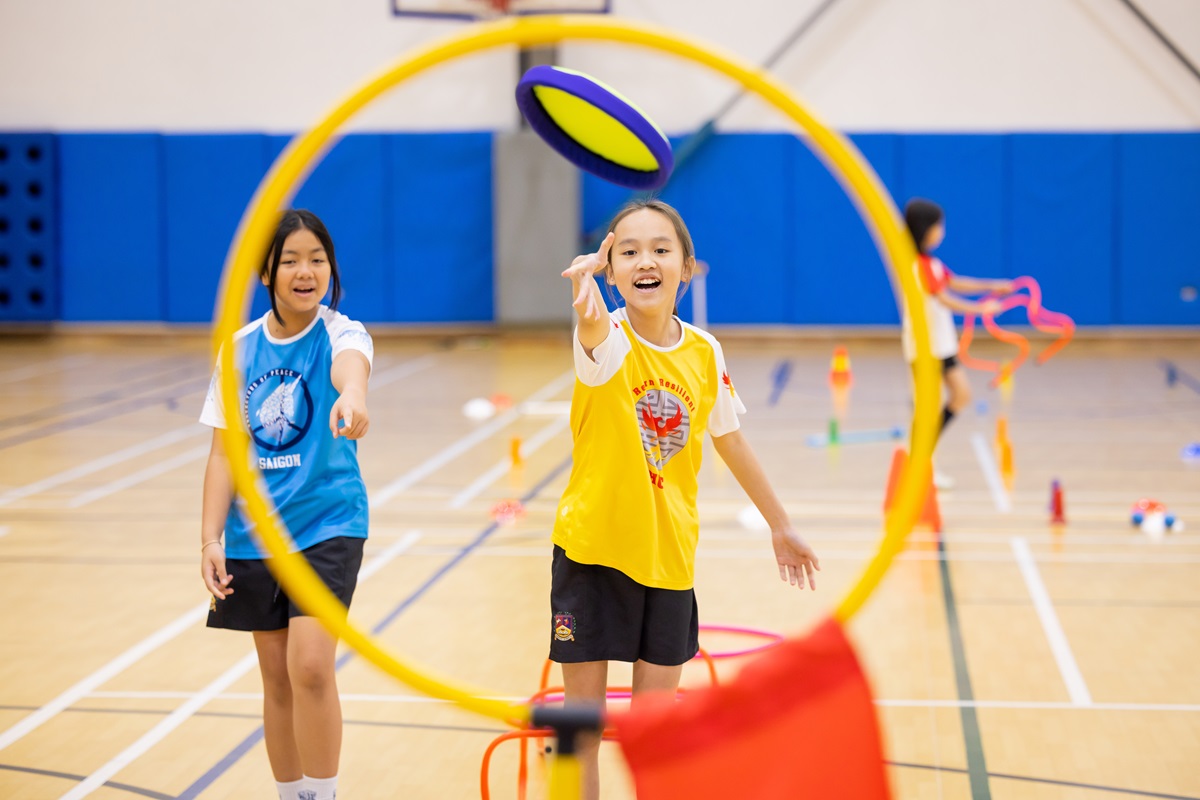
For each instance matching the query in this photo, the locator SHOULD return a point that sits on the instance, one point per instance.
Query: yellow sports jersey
(638, 418)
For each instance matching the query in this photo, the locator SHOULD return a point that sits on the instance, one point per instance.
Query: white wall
(868, 65)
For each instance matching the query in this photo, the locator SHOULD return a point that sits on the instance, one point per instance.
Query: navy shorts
(601, 614)
(258, 603)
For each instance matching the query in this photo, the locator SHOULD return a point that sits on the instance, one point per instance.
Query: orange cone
(515, 451)
(899, 459)
(839, 368)
(931, 513)
(1057, 510)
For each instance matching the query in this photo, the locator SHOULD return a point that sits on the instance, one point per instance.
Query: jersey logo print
(665, 425)
(284, 409)
(278, 409)
(728, 383)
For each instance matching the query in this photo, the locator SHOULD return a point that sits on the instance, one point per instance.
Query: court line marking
(141, 476)
(538, 551)
(431, 465)
(233, 756)
(401, 699)
(3, 531)
(987, 462)
(180, 715)
(726, 532)
(153, 471)
(403, 370)
(502, 467)
(1076, 687)
(972, 739)
(33, 370)
(104, 462)
(104, 674)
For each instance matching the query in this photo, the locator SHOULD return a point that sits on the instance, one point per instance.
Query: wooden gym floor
(1016, 661)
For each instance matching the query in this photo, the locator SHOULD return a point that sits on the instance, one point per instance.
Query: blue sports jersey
(312, 478)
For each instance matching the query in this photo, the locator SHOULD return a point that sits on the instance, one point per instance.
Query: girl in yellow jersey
(648, 386)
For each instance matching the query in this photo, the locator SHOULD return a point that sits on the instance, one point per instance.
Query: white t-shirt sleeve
(724, 416)
(213, 413)
(606, 359)
(346, 334)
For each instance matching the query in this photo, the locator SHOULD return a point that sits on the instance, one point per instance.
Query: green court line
(976, 763)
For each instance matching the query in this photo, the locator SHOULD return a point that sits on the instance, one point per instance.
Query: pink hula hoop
(772, 640)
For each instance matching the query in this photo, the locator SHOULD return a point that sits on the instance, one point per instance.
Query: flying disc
(594, 127)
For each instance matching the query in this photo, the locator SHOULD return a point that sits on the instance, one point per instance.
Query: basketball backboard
(489, 9)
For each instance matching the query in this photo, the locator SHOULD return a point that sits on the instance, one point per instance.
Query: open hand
(797, 561)
(587, 305)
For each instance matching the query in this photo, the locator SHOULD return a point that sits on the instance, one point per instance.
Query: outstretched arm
(962, 305)
(797, 561)
(588, 304)
(349, 374)
(968, 285)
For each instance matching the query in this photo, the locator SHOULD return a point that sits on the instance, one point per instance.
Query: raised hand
(587, 302)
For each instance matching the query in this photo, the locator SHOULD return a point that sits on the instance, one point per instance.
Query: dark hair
(293, 220)
(920, 215)
(681, 230)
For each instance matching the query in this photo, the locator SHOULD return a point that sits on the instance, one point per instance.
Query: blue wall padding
(29, 278)
(208, 180)
(734, 196)
(1158, 228)
(113, 264)
(839, 274)
(440, 227)
(965, 175)
(349, 191)
(1062, 212)
(1108, 223)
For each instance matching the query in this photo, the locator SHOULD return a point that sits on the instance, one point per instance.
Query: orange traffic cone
(839, 368)
(1057, 509)
(899, 459)
(931, 513)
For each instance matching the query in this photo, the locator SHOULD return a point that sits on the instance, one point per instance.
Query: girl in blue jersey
(305, 369)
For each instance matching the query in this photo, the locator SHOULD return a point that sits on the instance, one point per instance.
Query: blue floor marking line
(1177, 375)
(125, 390)
(104, 414)
(779, 380)
(976, 763)
(867, 436)
(232, 757)
(49, 773)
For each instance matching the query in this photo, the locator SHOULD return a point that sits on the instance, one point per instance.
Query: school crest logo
(278, 409)
(564, 627)
(665, 424)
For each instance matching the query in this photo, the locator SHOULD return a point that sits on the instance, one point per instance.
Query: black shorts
(258, 603)
(601, 614)
(948, 363)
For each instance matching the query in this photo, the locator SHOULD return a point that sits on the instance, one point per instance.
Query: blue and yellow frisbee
(594, 127)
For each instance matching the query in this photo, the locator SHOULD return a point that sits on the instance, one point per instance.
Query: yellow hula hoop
(279, 186)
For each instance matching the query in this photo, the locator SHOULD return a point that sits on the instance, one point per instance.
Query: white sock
(290, 790)
(320, 788)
